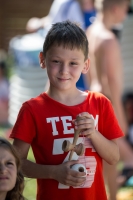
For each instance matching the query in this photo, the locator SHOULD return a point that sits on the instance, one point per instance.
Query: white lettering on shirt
(53, 121)
(66, 124)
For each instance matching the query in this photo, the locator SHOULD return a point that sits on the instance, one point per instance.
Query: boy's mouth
(63, 79)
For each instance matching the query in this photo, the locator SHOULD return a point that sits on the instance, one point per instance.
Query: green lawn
(30, 184)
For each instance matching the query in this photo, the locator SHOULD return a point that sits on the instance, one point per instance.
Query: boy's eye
(73, 63)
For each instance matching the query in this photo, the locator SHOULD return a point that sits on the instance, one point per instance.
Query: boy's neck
(68, 98)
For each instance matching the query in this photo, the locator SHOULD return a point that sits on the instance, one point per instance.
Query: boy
(105, 75)
(46, 121)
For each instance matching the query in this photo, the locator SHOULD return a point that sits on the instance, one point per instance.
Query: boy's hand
(85, 123)
(65, 175)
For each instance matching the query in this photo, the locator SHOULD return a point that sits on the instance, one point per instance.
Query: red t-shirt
(45, 124)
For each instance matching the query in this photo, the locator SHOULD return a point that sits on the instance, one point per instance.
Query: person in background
(44, 122)
(4, 89)
(65, 10)
(105, 74)
(11, 178)
(127, 100)
(89, 11)
(60, 10)
(89, 16)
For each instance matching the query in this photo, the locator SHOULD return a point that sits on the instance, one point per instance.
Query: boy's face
(64, 66)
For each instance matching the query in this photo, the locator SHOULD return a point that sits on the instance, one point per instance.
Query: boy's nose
(64, 69)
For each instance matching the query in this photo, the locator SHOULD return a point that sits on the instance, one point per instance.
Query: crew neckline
(45, 95)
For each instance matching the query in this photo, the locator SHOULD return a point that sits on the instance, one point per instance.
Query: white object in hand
(79, 168)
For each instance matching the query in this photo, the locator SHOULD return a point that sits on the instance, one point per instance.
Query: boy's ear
(86, 66)
(42, 60)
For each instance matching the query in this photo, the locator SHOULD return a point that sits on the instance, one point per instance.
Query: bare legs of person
(111, 177)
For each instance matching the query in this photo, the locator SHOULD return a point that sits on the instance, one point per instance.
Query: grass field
(30, 184)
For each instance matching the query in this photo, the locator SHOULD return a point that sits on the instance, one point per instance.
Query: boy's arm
(62, 173)
(112, 64)
(107, 149)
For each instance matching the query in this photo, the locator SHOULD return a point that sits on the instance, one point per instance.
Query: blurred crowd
(4, 88)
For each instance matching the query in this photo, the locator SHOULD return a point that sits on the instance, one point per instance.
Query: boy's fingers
(72, 162)
(85, 114)
(76, 181)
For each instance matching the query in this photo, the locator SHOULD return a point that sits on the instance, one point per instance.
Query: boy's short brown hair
(68, 34)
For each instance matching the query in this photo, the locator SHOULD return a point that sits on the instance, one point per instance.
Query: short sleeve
(25, 126)
(111, 128)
